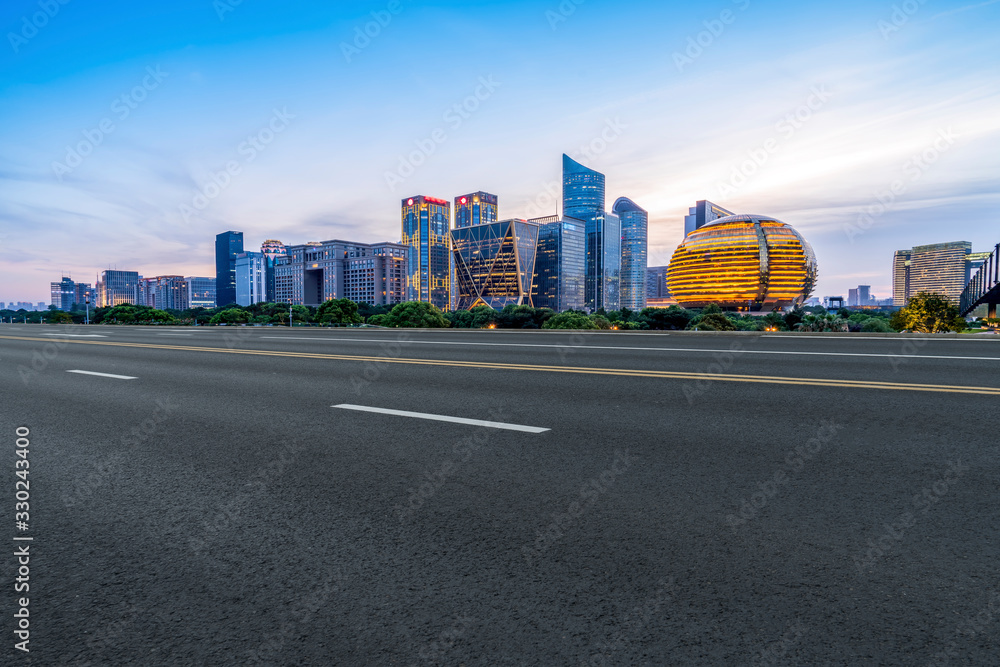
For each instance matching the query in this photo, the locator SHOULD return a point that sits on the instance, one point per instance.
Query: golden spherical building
(750, 262)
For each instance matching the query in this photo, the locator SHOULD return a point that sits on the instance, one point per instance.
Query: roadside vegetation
(926, 313)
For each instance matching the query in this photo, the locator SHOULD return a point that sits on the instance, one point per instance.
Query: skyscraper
(702, 213)
(494, 263)
(900, 278)
(583, 198)
(426, 234)
(941, 268)
(478, 208)
(63, 294)
(560, 263)
(227, 246)
(251, 278)
(635, 223)
(656, 282)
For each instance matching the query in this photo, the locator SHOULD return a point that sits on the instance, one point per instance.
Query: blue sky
(868, 126)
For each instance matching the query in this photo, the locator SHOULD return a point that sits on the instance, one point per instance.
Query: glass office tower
(478, 208)
(426, 234)
(227, 246)
(201, 292)
(635, 223)
(252, 272)
(702, 213)
(560, 264)
(63, 294)
(583, 198)
(494, 263)
(117, 287)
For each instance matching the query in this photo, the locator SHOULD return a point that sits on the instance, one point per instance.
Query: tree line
(925, 313)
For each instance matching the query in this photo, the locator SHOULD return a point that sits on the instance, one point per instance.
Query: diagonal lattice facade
(494, 263)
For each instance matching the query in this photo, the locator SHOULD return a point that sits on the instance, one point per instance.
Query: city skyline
(820, 136)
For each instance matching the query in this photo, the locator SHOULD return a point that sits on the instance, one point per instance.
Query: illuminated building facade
(560, 264)
(227, 246)
(63, 294)
(702, 213)
(900, 277)
(634, 232)
(749, 262)
(478, 208)
(313, 273)
(426, 235)
(494, 263)
(583, 199)
(941, 268)
(117, 287)
(201, 292)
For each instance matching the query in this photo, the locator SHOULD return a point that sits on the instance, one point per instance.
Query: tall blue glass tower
(583, 198)
(635, 224)
(227, 246)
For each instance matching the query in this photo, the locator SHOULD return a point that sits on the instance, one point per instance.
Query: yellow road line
(621, 372)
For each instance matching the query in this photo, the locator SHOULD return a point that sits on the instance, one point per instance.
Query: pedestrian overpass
(984, 287)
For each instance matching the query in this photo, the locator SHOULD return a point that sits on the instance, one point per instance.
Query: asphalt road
(693, 500)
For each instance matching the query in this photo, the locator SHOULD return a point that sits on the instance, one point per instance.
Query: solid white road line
(850, 337)
(174, 334)
(105, 375)
(442, 418)
(657, 349)
(76, 335)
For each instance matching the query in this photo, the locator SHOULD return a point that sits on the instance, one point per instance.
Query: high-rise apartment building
(634, 238)
(117, 287)
(227, 246)
(702, 213)
(201, 292)
(494, 263)
(478, 208)
(426, 234)
(583, 198)
(163, 292)
(252, 274)
(900, 278)
(941, 268)
(560, 263)
(313, 273)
